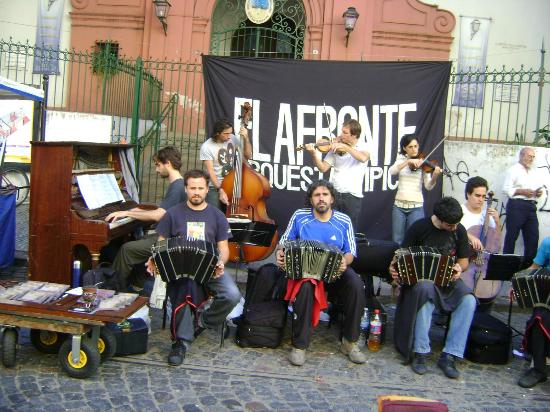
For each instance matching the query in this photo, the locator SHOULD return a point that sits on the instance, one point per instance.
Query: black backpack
(103, 277)
(262, 323)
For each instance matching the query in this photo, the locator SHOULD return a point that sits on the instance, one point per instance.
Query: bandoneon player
(320, 222)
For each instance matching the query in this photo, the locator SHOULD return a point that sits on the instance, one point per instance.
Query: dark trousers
(350, 291)
(521, 215)
(539, 348)
(351, 206)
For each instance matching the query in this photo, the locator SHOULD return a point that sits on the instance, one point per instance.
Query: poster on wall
(299, 101)
(16, 118)
(48, 34)
(472, 56)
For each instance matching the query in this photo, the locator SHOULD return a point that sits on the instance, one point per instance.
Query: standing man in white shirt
(348, 157)
(523, 185)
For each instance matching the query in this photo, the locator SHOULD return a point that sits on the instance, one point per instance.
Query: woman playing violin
(217, 154)
(409, 200)
(348, 157)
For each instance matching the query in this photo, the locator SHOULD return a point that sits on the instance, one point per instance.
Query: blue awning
(10, 89)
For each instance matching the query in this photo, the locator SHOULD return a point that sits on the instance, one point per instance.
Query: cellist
(217, 154)
(484, 234)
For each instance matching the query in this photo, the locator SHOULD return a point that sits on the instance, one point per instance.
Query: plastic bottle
(364, 328)
(75, 280)
(375, 332)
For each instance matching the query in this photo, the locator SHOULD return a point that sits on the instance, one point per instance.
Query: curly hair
(169, 154)
(448, 210)
(315, 185)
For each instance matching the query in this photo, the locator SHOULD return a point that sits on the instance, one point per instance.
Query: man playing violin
(348, 157)
(218, 153)
(320, 222)
(416, 303)
(523, 185)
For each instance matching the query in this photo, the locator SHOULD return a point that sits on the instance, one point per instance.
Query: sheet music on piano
(99, 189)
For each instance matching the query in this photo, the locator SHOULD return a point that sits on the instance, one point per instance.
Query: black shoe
(418, 364)
(531, 378)
(446, 363)
(177, 354)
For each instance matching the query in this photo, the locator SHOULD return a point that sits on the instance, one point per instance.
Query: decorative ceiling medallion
(259, 11)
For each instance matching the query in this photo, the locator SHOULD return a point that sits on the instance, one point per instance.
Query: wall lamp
(350, 18)
(162, 7)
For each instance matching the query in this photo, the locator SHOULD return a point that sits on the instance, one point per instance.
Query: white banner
(472, 55)
(48, 32)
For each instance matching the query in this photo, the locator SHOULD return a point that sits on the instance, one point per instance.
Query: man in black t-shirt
(416, 303)
(196, 219)
(167, 165)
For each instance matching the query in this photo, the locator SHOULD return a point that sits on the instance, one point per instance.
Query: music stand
(253, 233)
(503, 267)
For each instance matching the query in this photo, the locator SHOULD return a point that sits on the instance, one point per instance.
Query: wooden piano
(60, 223)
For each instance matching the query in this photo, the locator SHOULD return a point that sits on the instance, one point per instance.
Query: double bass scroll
(246, 210)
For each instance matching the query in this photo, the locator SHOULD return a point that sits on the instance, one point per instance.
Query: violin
(324, 145)
(428, 166)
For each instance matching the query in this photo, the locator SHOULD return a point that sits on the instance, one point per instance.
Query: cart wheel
(106, 344)
(9, 342)
(46, 341)
(87, 363)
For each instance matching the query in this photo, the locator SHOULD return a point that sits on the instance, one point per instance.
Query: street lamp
(162, 7)
(350, 18)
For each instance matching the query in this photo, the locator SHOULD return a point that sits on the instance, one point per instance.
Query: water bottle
(375, 332)
(363, 328)
(75, 280)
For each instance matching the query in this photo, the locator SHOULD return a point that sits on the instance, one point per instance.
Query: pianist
(167, 165)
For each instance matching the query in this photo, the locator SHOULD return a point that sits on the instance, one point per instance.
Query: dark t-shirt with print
(208, 224)
(424, 233)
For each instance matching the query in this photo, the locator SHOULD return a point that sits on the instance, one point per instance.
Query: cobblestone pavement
(237, 379)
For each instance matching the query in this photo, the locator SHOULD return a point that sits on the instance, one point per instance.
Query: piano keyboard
(120, 222)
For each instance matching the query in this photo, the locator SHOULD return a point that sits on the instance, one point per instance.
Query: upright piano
(59, 221)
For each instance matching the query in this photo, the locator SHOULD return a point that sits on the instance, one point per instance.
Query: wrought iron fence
(499, 106)
(159, 103)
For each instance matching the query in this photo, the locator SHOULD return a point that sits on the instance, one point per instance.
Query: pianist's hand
(150, 266)
(113, 217)
(219, 270)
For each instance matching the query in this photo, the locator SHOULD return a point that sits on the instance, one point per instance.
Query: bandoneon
(310, 259)
(415, 264)
(532, 287)
(178, 257)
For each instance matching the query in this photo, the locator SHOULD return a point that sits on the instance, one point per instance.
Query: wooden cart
(53, 323)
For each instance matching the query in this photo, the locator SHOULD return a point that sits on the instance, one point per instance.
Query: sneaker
(352, 350)
(531, 378)
(446, 363)
(418, 364)
(177, 354)
(297, 356)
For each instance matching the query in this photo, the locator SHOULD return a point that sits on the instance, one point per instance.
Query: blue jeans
(402, 219)
(461, 318)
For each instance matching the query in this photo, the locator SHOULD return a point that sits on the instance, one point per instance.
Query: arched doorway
(282, 36)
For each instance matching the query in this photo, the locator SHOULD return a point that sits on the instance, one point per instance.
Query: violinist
(523, 185)
(349, 159)
(217, 154)
(409, 200)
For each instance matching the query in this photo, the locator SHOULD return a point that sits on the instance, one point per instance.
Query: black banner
(299, 101)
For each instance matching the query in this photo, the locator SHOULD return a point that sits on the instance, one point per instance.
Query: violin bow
(328, 121)
(434, 149)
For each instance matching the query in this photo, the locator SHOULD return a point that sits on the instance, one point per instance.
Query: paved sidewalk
(236, 379)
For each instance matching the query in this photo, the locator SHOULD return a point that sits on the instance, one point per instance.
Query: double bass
(484, 290)
(246, 210)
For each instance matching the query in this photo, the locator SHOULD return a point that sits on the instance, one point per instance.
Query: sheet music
(99, 189)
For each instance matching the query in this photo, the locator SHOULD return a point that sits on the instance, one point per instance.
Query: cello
(473, 277)
(254, 232)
